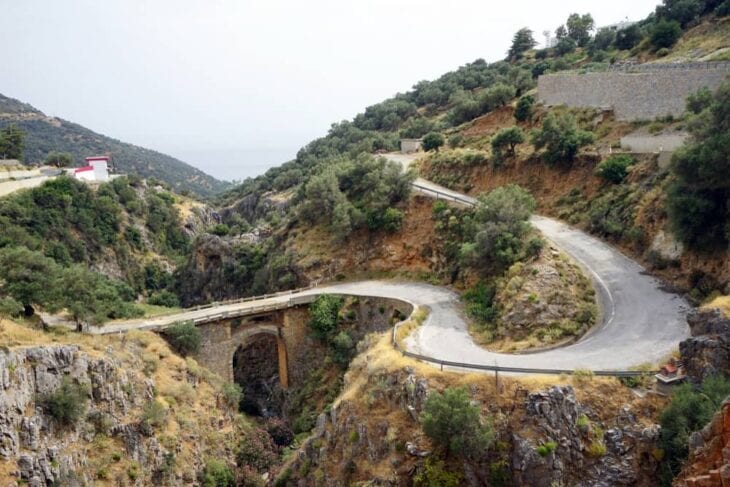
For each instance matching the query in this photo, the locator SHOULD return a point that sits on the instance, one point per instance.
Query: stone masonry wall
(641, 95)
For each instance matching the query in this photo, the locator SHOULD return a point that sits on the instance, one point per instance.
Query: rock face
(199, 219)
(709, 458)
(559, 443)
(707, 351)
(544, 438)
(37, 450)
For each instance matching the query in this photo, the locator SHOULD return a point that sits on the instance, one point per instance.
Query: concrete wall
(643, 94)
(647, 143)
(408, 146)
(8, 187)
(19, 174)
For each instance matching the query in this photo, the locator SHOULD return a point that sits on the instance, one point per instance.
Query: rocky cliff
(709, 460)
(543, 437)
(707, 351)
(141, 420)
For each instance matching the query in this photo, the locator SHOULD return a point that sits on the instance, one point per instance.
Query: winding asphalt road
(641, 322)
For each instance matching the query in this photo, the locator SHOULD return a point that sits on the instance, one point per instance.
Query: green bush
(220, 229)
(508, 139)
(698, 203)
(217, 474)
(523, 110)
(343, 349)
(324, 314)
(665, 34)
(184, 337)
(545, 449)
(164, 298)
(432, 141)
(454, 424)
(689, 410)
(154, 414)
(561, 138)
(67, 404)
(232, 395)
(257, 450)
(615, 168)
(434, 474)
(10, 307)
(392, 220)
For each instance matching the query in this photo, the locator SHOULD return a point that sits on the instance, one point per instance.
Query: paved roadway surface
(640, 322)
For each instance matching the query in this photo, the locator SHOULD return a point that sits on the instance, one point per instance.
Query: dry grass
(405, 329)
(720, 302)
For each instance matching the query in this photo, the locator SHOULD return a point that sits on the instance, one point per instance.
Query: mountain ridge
(44, 134)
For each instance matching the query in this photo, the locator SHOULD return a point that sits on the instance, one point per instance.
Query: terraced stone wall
(633, 95)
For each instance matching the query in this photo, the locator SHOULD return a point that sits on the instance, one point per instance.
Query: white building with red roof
(96, 169)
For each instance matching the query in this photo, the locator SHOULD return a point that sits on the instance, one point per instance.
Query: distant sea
(236, 164)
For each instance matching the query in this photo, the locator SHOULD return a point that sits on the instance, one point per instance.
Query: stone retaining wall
(641, 95)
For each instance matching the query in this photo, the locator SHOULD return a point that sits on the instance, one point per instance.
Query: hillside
(46, 134)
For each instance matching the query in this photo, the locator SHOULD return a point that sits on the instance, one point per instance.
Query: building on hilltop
(96, 169)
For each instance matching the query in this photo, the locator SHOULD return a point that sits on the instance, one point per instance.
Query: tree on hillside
(699, 201)
(565, 46)
(507, 138)
(603, 39)
(561, 138)
(561, 32)
(521, 42)
(665, 33)
(523, 110)
(325, 315)
(628, 37)
(455, 425)
(12, 141)
(500, 222)
(682, 11)
(29, 278)
(59, 159)
(580, 27)
(184, 337)
(432, 141)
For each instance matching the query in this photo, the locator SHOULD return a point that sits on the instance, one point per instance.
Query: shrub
(699, 100)
(10, 307)
(343, 349)
(392, 220)
(324, 312)
(507, 138)
(534, 247)
(614, 169)
(184, 337)
(596, 449)
(154, 414)
(434, 474)
(689, 410)
(164, 298)
(432, 141)
(256, 449)
(456, 140)
(523, 110)
(665, 33)
(217, 474)
(561, 138)
(67, 404)
(698, 203)
(454, 424)
(500, 222)
(545, 449)
(628, 37)
(232, 394)
(220, 229)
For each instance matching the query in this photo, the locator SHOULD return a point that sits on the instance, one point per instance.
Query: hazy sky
(235, 86)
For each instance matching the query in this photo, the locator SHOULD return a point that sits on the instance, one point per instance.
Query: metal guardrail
(442, 195)
(518, 370)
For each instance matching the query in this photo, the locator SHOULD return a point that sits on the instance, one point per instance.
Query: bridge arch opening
(260, 368)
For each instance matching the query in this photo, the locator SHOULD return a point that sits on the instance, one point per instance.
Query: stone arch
(245, 338)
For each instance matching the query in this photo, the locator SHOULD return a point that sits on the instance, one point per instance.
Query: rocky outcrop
(708, 464)
(557, 442)
(199, 219)
(253, 206)
(544, 438)
(707, 351)
(37, 449)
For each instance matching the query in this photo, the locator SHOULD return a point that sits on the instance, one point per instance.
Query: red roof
(97, 158)
(669, 369)
(83, 169)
